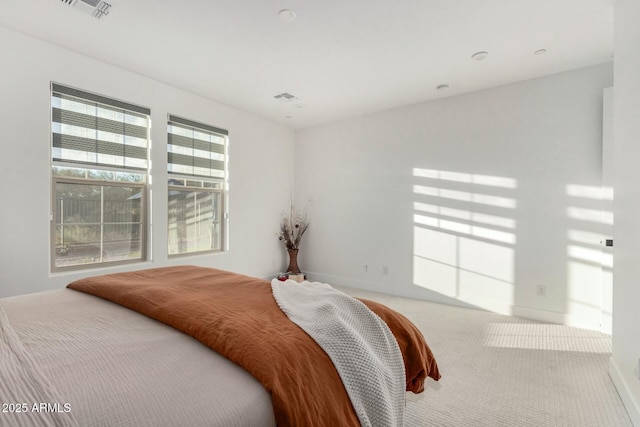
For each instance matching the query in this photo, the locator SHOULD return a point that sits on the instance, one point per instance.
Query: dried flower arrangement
(293, 226)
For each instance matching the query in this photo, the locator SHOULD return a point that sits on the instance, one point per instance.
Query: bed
(104, 353)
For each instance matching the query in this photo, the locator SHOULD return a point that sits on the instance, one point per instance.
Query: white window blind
(99, 153)
(196, 149)
(94, 130)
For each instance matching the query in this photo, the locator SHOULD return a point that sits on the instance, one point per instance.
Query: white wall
(474, 199)
(626, 288)
(259, 184)
(608, 167)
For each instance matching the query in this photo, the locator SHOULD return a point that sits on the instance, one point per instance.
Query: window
(197, 164)
(99, 153)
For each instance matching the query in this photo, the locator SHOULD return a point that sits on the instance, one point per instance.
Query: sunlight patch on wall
(464, 235)
(486, 271)
(584, 290)
(465, 228)
(465, 196)
(597, 216)
(462, 267)
(590, 192)
(493, 181)
(593, 256)
(466, 215)
(587, 262)
(434, 260)
(581, 236)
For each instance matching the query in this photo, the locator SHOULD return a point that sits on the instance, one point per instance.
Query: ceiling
(340, 59)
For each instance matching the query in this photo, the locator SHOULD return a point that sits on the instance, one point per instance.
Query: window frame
(222, 189)
(102, 183)
(111, 103)
(222, 220)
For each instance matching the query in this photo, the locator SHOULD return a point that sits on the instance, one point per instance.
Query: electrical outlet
(541, 290)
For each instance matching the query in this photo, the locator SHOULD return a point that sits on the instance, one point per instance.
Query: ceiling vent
(287, 97)
(95, 8)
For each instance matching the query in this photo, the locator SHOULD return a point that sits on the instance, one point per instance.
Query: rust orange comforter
(237, 316)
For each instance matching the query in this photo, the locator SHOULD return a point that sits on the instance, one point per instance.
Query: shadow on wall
(465, 247)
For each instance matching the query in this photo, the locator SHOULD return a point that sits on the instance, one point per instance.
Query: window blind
(195, 149)
(95, 130)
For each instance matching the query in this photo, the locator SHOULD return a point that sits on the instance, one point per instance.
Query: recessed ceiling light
(442, 87)
(287, 15)
(479, 56)
(540, 52)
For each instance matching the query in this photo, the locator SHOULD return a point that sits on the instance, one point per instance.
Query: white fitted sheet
(116, 367)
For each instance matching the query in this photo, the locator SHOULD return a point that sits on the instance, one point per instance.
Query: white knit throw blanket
(360, 345)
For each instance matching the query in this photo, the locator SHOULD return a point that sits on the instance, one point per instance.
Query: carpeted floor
(506, 371)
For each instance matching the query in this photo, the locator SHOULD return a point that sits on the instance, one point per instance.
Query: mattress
(188, 345)
(111, 366)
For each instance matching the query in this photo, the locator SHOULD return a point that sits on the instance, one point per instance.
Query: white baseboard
(421, 294)
(379, 287)
(631, 405)
(480, 304)
(555, 317)
(347, 282)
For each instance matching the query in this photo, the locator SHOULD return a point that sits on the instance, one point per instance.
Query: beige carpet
(506, 371)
